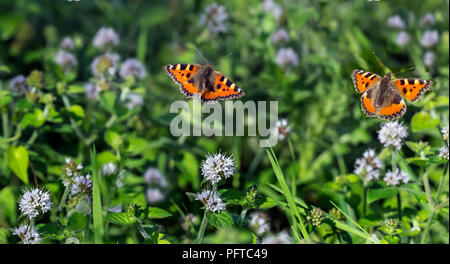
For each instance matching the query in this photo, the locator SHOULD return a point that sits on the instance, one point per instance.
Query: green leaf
(4, 98)
(113, 139)
(74, 89)
(106, 157)
(5, 69)
(422, 121)
(220, 220)
(8, 205)
(50, 229)
(136, 145)
(77, 221)
(157, 213)
(267, 202)
(35, 119)
(107, 101)
(233, 196)
(382, 193)
(77, 110)
(121, 218)
(17, 160)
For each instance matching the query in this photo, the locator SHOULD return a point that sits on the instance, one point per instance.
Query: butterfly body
(383, 97)
(210, 84)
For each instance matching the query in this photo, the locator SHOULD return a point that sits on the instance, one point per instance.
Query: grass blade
(96, 200)
(287, 194)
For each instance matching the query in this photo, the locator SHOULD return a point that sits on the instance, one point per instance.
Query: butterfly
(195, 79)
(383, 97)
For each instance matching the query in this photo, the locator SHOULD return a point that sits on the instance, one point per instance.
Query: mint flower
(396, 177)
(35, 201)
(396, 22)
(392, 134)
(217, 167)
(134, 68)
(259, 223)
(211, 200)
(19, 85)
(215, 18)
(105, 36)
(28, 234)
(154, 176)
(368, 167)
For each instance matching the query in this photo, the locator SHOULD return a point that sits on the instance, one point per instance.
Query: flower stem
(399, 205)
(62, 203)
(365, 200)
(427, 227)
(441, 182)
(433, 208)
(144, 233)
(201, 231)
(5, 125)
(72, 122)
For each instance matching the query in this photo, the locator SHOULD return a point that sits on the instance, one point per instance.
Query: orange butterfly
(382, 97)
(212, 85)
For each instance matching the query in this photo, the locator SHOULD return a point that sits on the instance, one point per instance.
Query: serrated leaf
(267, 202)
(220, 220)
(382, 193)
(77, 221)
(121, 218)
(157, 213)
(233, 196)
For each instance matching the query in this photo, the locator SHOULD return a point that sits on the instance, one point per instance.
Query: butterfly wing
(412, 89)
(367, 102)
(394, 108)
(181, 73)
(362, 80)
(386, 106)
(223, 89)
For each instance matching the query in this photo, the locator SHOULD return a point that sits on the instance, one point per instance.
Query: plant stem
(441, 182)
(144, 233)
(201, 231)
(399, 205)
(365, 200)
(62, 203)
(5, 125)
(294, 175)
(433, 208)
(394, 168)
(72, 122)
(427, 227)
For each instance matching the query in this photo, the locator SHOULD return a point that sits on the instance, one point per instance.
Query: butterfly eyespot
(218, 86)
(188, 75)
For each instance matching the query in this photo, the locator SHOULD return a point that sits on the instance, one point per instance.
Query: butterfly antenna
(198, 52)
(407, 70)
(379, 61)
